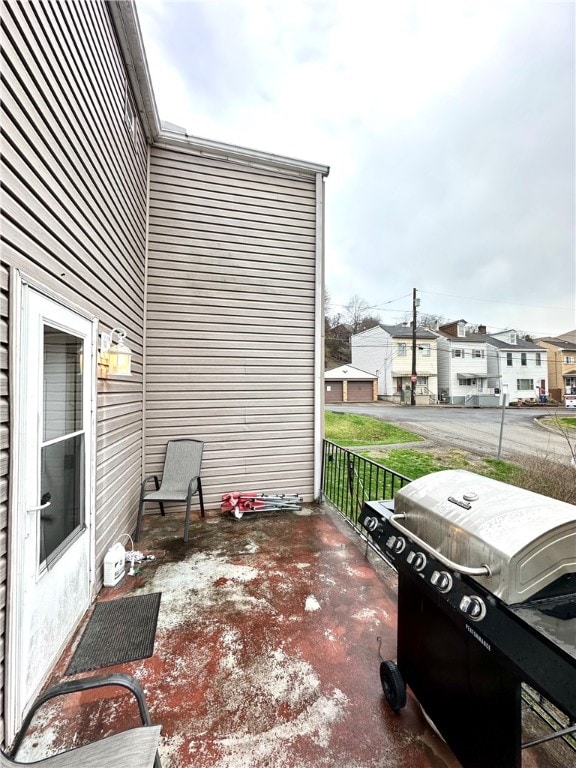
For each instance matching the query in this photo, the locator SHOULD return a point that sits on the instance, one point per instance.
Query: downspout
(145, 314)
(319, 340)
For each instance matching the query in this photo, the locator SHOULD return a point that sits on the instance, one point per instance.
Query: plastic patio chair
(180, 480)
(136, 747)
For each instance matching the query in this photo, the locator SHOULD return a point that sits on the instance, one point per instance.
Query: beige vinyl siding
(230, 320)
(74, 207)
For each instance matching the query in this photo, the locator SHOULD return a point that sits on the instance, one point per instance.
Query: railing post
(354, 479)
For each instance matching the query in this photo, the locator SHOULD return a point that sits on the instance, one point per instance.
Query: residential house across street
(522, 366)
(561, 365)
(452, 365)
(386, 351)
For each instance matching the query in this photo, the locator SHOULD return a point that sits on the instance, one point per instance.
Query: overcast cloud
(449, 129)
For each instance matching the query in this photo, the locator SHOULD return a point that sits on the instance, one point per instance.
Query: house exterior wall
(372, 352)
(74, 220)
(531, 371)
(233, 293)
(467, 363)
(426, 366)
(558, 368)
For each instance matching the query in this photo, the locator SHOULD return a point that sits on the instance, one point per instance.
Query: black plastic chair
(133, 747)
(180, 480)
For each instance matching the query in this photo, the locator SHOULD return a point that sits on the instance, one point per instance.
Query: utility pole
(414, 376)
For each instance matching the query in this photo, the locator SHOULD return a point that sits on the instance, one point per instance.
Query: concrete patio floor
(266, 652)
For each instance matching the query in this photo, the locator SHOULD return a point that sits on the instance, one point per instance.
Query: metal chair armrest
(195, 479)
(147, 480)
(83, 684)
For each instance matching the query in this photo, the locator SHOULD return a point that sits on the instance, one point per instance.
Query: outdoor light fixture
(115, 358)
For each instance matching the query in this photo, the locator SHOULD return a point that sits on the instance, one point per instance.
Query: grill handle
(483, 570)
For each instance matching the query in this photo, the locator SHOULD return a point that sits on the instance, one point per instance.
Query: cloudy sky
(449, 129)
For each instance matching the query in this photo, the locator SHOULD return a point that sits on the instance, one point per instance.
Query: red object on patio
(238, 502)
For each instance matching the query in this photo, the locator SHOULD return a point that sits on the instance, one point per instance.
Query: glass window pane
(62, 383)
(62, 483)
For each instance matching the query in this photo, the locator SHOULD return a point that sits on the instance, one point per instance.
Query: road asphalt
(485, 431)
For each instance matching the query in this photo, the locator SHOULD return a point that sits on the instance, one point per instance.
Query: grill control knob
(417, 560)
(442, 580)
(474, 607)
(396, 543)
(372, 524)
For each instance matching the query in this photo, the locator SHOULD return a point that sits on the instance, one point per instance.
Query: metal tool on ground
(239, 502)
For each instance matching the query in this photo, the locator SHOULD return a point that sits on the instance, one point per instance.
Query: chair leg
(157, 484)
(201, 497)
(139, 521)
(187, 521)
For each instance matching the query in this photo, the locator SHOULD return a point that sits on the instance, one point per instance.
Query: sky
(449, 129)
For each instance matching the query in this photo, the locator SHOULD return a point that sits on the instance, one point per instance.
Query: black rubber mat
(118, 631)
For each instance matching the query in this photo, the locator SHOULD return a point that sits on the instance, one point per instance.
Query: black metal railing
(348, 480)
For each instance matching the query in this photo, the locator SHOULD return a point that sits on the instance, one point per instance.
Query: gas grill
(486, 601)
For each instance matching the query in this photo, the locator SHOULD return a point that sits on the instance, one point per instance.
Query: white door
(53, 545)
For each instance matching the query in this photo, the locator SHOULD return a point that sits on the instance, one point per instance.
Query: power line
(497, 301)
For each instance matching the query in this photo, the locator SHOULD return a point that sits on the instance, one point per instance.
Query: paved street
(474, 429)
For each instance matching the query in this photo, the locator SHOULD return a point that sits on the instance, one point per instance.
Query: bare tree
(426, 320)
(354, 318)
(358, 316)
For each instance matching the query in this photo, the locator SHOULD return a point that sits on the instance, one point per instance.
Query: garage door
(334, 391)
(360, 392)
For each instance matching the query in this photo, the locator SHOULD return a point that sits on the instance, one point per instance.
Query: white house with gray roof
(386, 351)
(467, 367)
(522, 365)
(478, 368)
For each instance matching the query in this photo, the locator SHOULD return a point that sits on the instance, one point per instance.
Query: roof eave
(125, 20)
(211, 148)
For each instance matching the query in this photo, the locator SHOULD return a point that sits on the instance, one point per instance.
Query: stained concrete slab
(266, 653)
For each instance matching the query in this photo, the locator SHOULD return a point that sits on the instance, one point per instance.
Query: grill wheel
(393, 685)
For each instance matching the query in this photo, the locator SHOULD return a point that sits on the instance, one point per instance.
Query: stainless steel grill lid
(528, 541)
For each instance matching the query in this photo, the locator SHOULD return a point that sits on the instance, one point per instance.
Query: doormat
(118, 631)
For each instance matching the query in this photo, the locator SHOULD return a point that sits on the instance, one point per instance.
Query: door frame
(13, 703)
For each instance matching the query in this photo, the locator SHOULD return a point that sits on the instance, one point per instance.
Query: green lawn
(568, 422)
(348, 429)
(414, 463)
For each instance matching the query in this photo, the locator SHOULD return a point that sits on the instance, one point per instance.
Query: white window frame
(521, 388)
